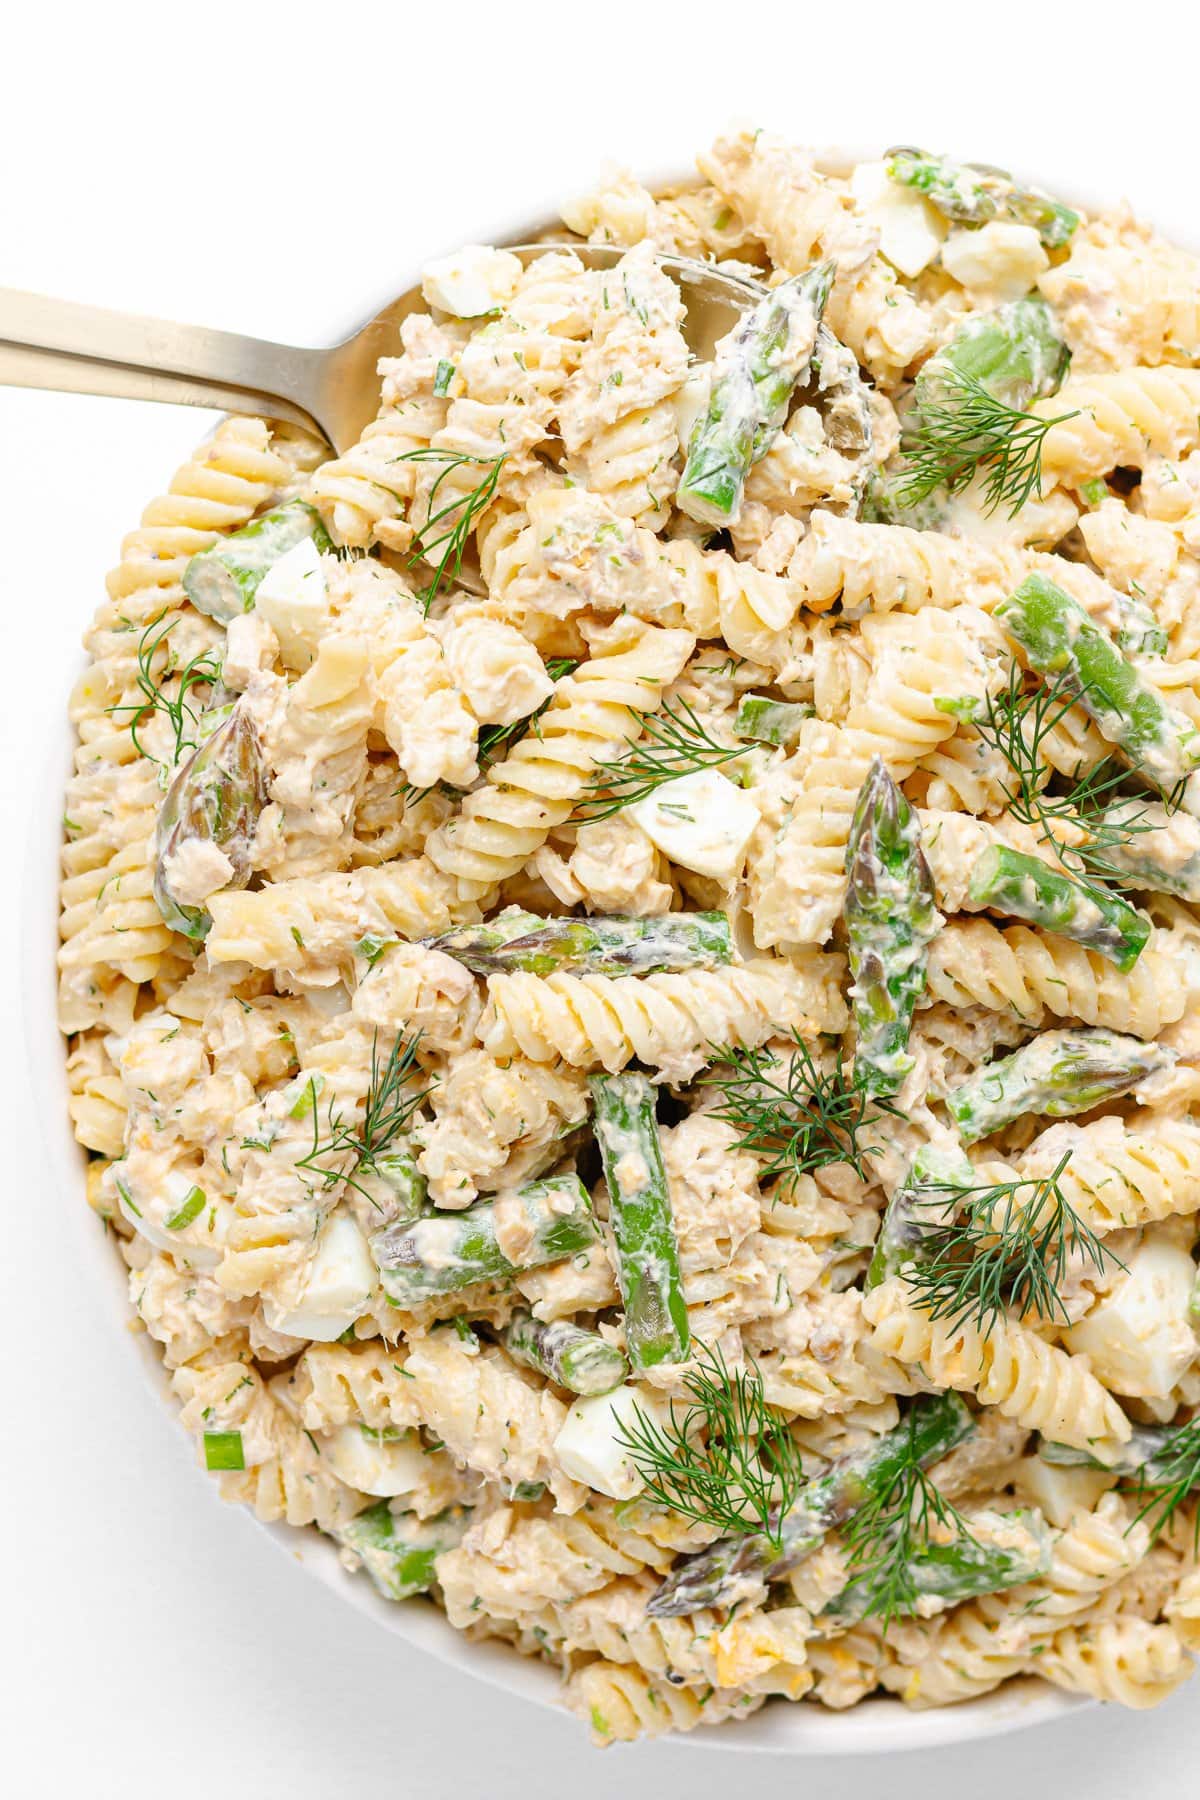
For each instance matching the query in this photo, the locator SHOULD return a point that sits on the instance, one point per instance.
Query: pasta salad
(631, 961)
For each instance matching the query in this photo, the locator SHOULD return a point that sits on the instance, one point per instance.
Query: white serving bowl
(876, 1726)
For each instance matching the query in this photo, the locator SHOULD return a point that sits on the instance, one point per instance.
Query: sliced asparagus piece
(1152, 848)
(1147, 1455)
(214, 801)
(1025, 887)
(890, 918)
(542, 1222)
(223, 581)
(735, 1566)
(580, 1360)
(398, 1550)
(933, 1172)
(1015, 352)
(393, 1182)
(974, 194)
(755, 370)
(766, 721)
(1004, 1548)
(656, 1320)
(1060, 639)
(598, 946)
(1056, 1074)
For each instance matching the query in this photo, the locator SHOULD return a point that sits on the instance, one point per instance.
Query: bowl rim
(876, 1726)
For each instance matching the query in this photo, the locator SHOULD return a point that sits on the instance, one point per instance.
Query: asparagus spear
(541, 1222)
(398, 1550)
(890, 918)
(1008, 881)
(767, 721)
(1055, 1074)
(1002, 1550)
(215, 800)
(515, 940)
(933, 1171)
(728, 1569)
(755, 370)
(656, 1320)
(223, 581)
(975, 193)
(1060, 639)
(1152, 848)
(580, 1360)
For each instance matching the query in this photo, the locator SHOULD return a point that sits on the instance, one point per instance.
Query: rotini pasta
(614, 972)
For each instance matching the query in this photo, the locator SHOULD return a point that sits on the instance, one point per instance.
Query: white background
(279, 170)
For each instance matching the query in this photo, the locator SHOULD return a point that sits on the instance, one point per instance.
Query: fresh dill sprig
(1176, 1478)
(960, 429)
(886, 1535)
(722, 1456)
(793, 1114)
(995, 1246)
(203, 670)
(1016, 722)
(679, 745)
(457, 516)
(347, 1150)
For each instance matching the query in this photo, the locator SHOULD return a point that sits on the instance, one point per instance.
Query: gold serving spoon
(46, 343)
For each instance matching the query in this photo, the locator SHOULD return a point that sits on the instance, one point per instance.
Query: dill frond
(447, 528)
(887, 1534)
(998, 1247)
(962, 429)
(722, 1456)
(793, 1114)
(183, 718)
(679, 745)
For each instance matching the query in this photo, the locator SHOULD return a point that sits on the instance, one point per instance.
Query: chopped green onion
(194, 1202)
(223, 1450)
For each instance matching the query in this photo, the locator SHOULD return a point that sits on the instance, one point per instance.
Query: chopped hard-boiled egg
(292, 599)
(338, 1285)
(999, 259)
(1139, 1337)
(910, 231)
(373, 1463)
(476, 280)
(589, 1446)
(700, 821)
(164, 1219)
(1060, 1493)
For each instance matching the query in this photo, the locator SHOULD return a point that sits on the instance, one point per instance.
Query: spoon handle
(58, 344)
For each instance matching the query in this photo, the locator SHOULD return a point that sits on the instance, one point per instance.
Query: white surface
(159, 1646)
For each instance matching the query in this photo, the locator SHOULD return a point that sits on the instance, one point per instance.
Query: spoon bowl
(46, 343)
